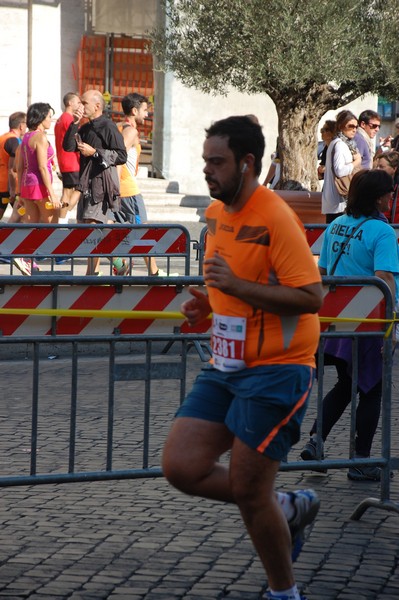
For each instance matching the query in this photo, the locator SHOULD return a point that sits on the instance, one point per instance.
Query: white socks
(289, 510)
(291, 594)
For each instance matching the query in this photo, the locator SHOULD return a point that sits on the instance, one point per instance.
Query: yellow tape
(389, 330)
(153, 314)
(365, 320)
(354, 320)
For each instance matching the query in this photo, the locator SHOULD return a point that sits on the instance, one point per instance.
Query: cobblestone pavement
(140, 539)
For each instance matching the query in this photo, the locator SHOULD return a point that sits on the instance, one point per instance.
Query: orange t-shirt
(128, 182)
(265, 242)
(4, 160)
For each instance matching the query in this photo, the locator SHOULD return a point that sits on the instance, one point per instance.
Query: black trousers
(367, 412)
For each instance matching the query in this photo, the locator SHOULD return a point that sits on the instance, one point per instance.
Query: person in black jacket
(101, 148)
(328, 132)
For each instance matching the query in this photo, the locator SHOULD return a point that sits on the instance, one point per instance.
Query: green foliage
(285, 48)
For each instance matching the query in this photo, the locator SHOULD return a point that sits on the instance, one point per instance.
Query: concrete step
(169, 214)
(149, 184)
(187, 200)
(164, 203)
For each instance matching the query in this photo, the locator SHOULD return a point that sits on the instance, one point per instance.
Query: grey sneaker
(307, 504)
(310, 450)
(364, 473)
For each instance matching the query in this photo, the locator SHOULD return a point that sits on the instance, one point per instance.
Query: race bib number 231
(228, 342)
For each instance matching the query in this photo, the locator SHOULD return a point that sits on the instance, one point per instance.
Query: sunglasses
(374, 125)
(352, 126)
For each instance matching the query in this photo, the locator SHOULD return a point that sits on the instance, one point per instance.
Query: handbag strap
(394, 204)
(344, 245)
(332, 161)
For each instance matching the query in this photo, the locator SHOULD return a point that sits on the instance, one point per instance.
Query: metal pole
(30, 22)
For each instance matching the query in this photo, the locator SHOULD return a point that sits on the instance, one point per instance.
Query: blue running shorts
(262, 406)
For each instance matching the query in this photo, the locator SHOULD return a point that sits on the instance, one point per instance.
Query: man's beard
(229, 194)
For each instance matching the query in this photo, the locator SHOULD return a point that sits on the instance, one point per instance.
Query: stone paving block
(88, 596)
(324, 591)
(9, 592)
(120, 595)
(361, 595)
(155, 595)
(390, 592)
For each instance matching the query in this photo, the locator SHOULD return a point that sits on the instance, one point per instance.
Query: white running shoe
(162, 273)
(307, 504)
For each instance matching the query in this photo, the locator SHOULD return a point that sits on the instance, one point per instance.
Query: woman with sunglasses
(342, 159)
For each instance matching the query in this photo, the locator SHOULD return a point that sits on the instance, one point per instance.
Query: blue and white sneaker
(61, 260)
(307, 504)
(269, 596)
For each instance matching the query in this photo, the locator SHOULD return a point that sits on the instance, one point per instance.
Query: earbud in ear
(244, 168)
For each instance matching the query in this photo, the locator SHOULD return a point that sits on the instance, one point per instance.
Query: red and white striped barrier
(353, 308)
(89, 301)
(315, 236)
(83, 241)
(141, 309)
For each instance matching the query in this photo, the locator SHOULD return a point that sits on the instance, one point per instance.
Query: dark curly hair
(244, 137)
(36, 114)
(131, 101)
(366, 187)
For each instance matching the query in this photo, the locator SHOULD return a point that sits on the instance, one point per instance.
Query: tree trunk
(299, 113)
(297, 129)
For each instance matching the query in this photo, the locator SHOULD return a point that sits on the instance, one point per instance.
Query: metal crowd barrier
(120, 311)
(201, 249)
(70, 312)
(36, 242)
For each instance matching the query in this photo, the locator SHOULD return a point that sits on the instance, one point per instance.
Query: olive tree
(309, 56)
